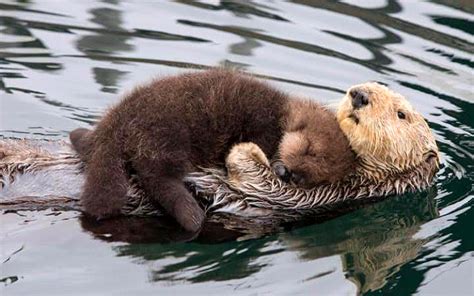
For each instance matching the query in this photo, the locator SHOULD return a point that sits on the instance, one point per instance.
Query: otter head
(313, 149)
(389, 137)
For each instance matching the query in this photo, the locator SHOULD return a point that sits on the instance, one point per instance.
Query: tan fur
(242, 156)
(385, 144)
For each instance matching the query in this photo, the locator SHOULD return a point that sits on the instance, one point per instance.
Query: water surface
(62, 63)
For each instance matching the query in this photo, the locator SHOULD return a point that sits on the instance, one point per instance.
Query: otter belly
(36, 175)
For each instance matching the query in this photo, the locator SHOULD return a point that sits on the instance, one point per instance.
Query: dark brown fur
(167, 128)
(81, 140)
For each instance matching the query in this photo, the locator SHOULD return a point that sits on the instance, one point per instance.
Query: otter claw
(282, 172)
(297, 179)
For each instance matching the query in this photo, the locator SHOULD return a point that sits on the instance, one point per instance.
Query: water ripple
(62, 65)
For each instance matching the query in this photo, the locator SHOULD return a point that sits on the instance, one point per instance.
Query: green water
(63, 62)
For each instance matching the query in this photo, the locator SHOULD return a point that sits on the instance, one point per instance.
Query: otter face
(387, 134)
(313, 149)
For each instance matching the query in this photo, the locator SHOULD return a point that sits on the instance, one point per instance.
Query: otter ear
(432, 157)
(431, 163)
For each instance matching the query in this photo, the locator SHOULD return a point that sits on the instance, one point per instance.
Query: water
(62, 63)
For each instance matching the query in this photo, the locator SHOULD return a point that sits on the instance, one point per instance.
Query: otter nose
(359, 98)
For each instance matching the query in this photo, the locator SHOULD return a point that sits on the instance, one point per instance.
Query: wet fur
(81, 140)
(313, 146)
(386, 146)
(169, 127)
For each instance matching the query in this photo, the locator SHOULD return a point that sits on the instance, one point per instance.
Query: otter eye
(401, 115)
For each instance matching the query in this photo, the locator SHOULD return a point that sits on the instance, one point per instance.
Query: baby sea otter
(165, 129)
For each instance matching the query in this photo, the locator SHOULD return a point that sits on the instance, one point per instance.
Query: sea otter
(404, 161)
(165, 129)
(396, 152)
(388, 135)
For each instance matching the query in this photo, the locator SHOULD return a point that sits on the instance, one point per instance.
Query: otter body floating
(48, 174)
(395, 153)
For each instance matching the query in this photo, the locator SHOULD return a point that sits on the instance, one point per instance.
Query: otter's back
(204, 113)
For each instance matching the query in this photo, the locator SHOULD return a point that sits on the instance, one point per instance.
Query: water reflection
(103, 42)
(303, 46)
(381, 242)
(381, 17)
(464, 5)
(61, 65)
(19, 47)
(374, 243)
(243, 9)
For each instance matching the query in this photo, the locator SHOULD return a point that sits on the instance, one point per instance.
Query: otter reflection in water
(373, 242)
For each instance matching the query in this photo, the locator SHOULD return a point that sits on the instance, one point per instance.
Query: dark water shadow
(302, 46)
(243, 9)
(27, 41)
(374, 241)
(381, 17)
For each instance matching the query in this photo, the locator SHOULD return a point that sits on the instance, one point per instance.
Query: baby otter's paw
(286, 175)
(96, 209)
(189, 215)
(245, 152)
(242, 158)
(281, 171)
(81, 142)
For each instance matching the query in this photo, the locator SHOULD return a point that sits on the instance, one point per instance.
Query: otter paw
(243, 152)
(101, 214)
(81, 142)
(281, 171)
(189, 215)
(78, 134)
(244, 157)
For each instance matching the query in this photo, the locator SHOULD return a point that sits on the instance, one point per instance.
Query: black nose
(359, 98)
